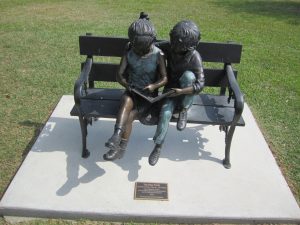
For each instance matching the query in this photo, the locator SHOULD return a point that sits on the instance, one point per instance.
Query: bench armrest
(238, 96)
(82, 79)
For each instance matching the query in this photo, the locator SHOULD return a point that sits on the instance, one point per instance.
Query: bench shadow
(62, 135)
(282, 10)
(179, 146)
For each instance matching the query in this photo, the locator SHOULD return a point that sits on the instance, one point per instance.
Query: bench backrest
(226, 53)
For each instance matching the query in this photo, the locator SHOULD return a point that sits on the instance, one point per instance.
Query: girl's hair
(187, 34)
(142, 30)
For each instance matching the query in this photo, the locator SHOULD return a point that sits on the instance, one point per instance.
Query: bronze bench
(223, 109)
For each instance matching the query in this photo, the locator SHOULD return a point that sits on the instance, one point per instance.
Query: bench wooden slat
(108, 72)
(102, 46)
(103, 72)
(220, 52)
(108, 46)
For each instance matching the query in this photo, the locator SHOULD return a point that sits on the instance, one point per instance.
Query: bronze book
(153, 99)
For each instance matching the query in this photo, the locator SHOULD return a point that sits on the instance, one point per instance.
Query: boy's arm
(162, 73)
(120, 76)
(198, 85)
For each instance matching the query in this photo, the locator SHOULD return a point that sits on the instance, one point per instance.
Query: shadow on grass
(37, 130)
(287, 11)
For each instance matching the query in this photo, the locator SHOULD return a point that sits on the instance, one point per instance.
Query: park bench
(223, 109)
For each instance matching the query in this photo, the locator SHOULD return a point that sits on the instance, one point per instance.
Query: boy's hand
(177, 92)
(150, 88)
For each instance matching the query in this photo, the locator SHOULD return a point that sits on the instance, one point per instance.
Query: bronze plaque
(151, 191)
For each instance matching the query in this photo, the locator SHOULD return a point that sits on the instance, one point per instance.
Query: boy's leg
(162, 129)
(165, 116)
(186, 80)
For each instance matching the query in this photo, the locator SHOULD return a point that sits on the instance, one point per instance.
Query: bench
(223, 109)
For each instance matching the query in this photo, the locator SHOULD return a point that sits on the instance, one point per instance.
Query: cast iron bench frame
(223, 110)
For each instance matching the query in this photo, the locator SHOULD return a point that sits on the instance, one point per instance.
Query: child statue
(141, 68)
(185, 77)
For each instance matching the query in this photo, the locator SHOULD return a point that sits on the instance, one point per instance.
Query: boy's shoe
(182, 120)
(154, 156)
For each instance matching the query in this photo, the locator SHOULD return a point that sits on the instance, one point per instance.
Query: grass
(40, 61)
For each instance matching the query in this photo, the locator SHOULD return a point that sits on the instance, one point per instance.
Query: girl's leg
(127, 131)
(120, 128)
(128, 128)
(122, 117)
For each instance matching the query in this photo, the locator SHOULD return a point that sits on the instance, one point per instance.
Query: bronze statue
(185, 77)
(143, 69)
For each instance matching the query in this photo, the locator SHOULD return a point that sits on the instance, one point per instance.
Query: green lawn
(40, 61)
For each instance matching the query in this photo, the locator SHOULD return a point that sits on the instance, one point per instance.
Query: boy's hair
(142, 30)
(187, 34)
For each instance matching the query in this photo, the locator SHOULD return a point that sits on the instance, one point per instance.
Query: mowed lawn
(39, 62)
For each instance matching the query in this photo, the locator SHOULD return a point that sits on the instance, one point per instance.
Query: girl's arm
(120, 76)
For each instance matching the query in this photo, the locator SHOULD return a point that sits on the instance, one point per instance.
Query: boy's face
(178, 45)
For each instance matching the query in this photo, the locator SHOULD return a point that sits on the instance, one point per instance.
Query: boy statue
(185, 77)
(141, 68)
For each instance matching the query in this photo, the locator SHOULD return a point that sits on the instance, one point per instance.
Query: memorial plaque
(151, 191)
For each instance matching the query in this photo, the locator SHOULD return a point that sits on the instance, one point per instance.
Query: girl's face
(141, 45)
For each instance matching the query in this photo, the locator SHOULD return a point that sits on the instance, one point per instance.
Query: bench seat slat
(212, 115)
(102, 93)
(206, 109)
(213, 100)
(115, 94)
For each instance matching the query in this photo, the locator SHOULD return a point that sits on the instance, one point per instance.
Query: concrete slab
(54, 181)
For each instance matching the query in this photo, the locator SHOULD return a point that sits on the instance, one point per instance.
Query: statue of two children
(143, 68)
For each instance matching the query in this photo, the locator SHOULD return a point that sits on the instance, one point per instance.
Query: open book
(153, 99)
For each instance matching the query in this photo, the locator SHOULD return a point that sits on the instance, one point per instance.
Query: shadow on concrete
(288, 11)
(60, 134)
(179, 146)
(63, 135)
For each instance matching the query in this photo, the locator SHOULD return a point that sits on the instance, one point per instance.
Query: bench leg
(83, 126)
(228, 139)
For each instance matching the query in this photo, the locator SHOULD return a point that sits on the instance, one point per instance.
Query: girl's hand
(127, 86)
(150, 88)
(177, 92)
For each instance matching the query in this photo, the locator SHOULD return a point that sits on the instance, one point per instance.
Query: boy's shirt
(177, 65)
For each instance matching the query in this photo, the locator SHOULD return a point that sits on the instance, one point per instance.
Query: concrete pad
(54, 181)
